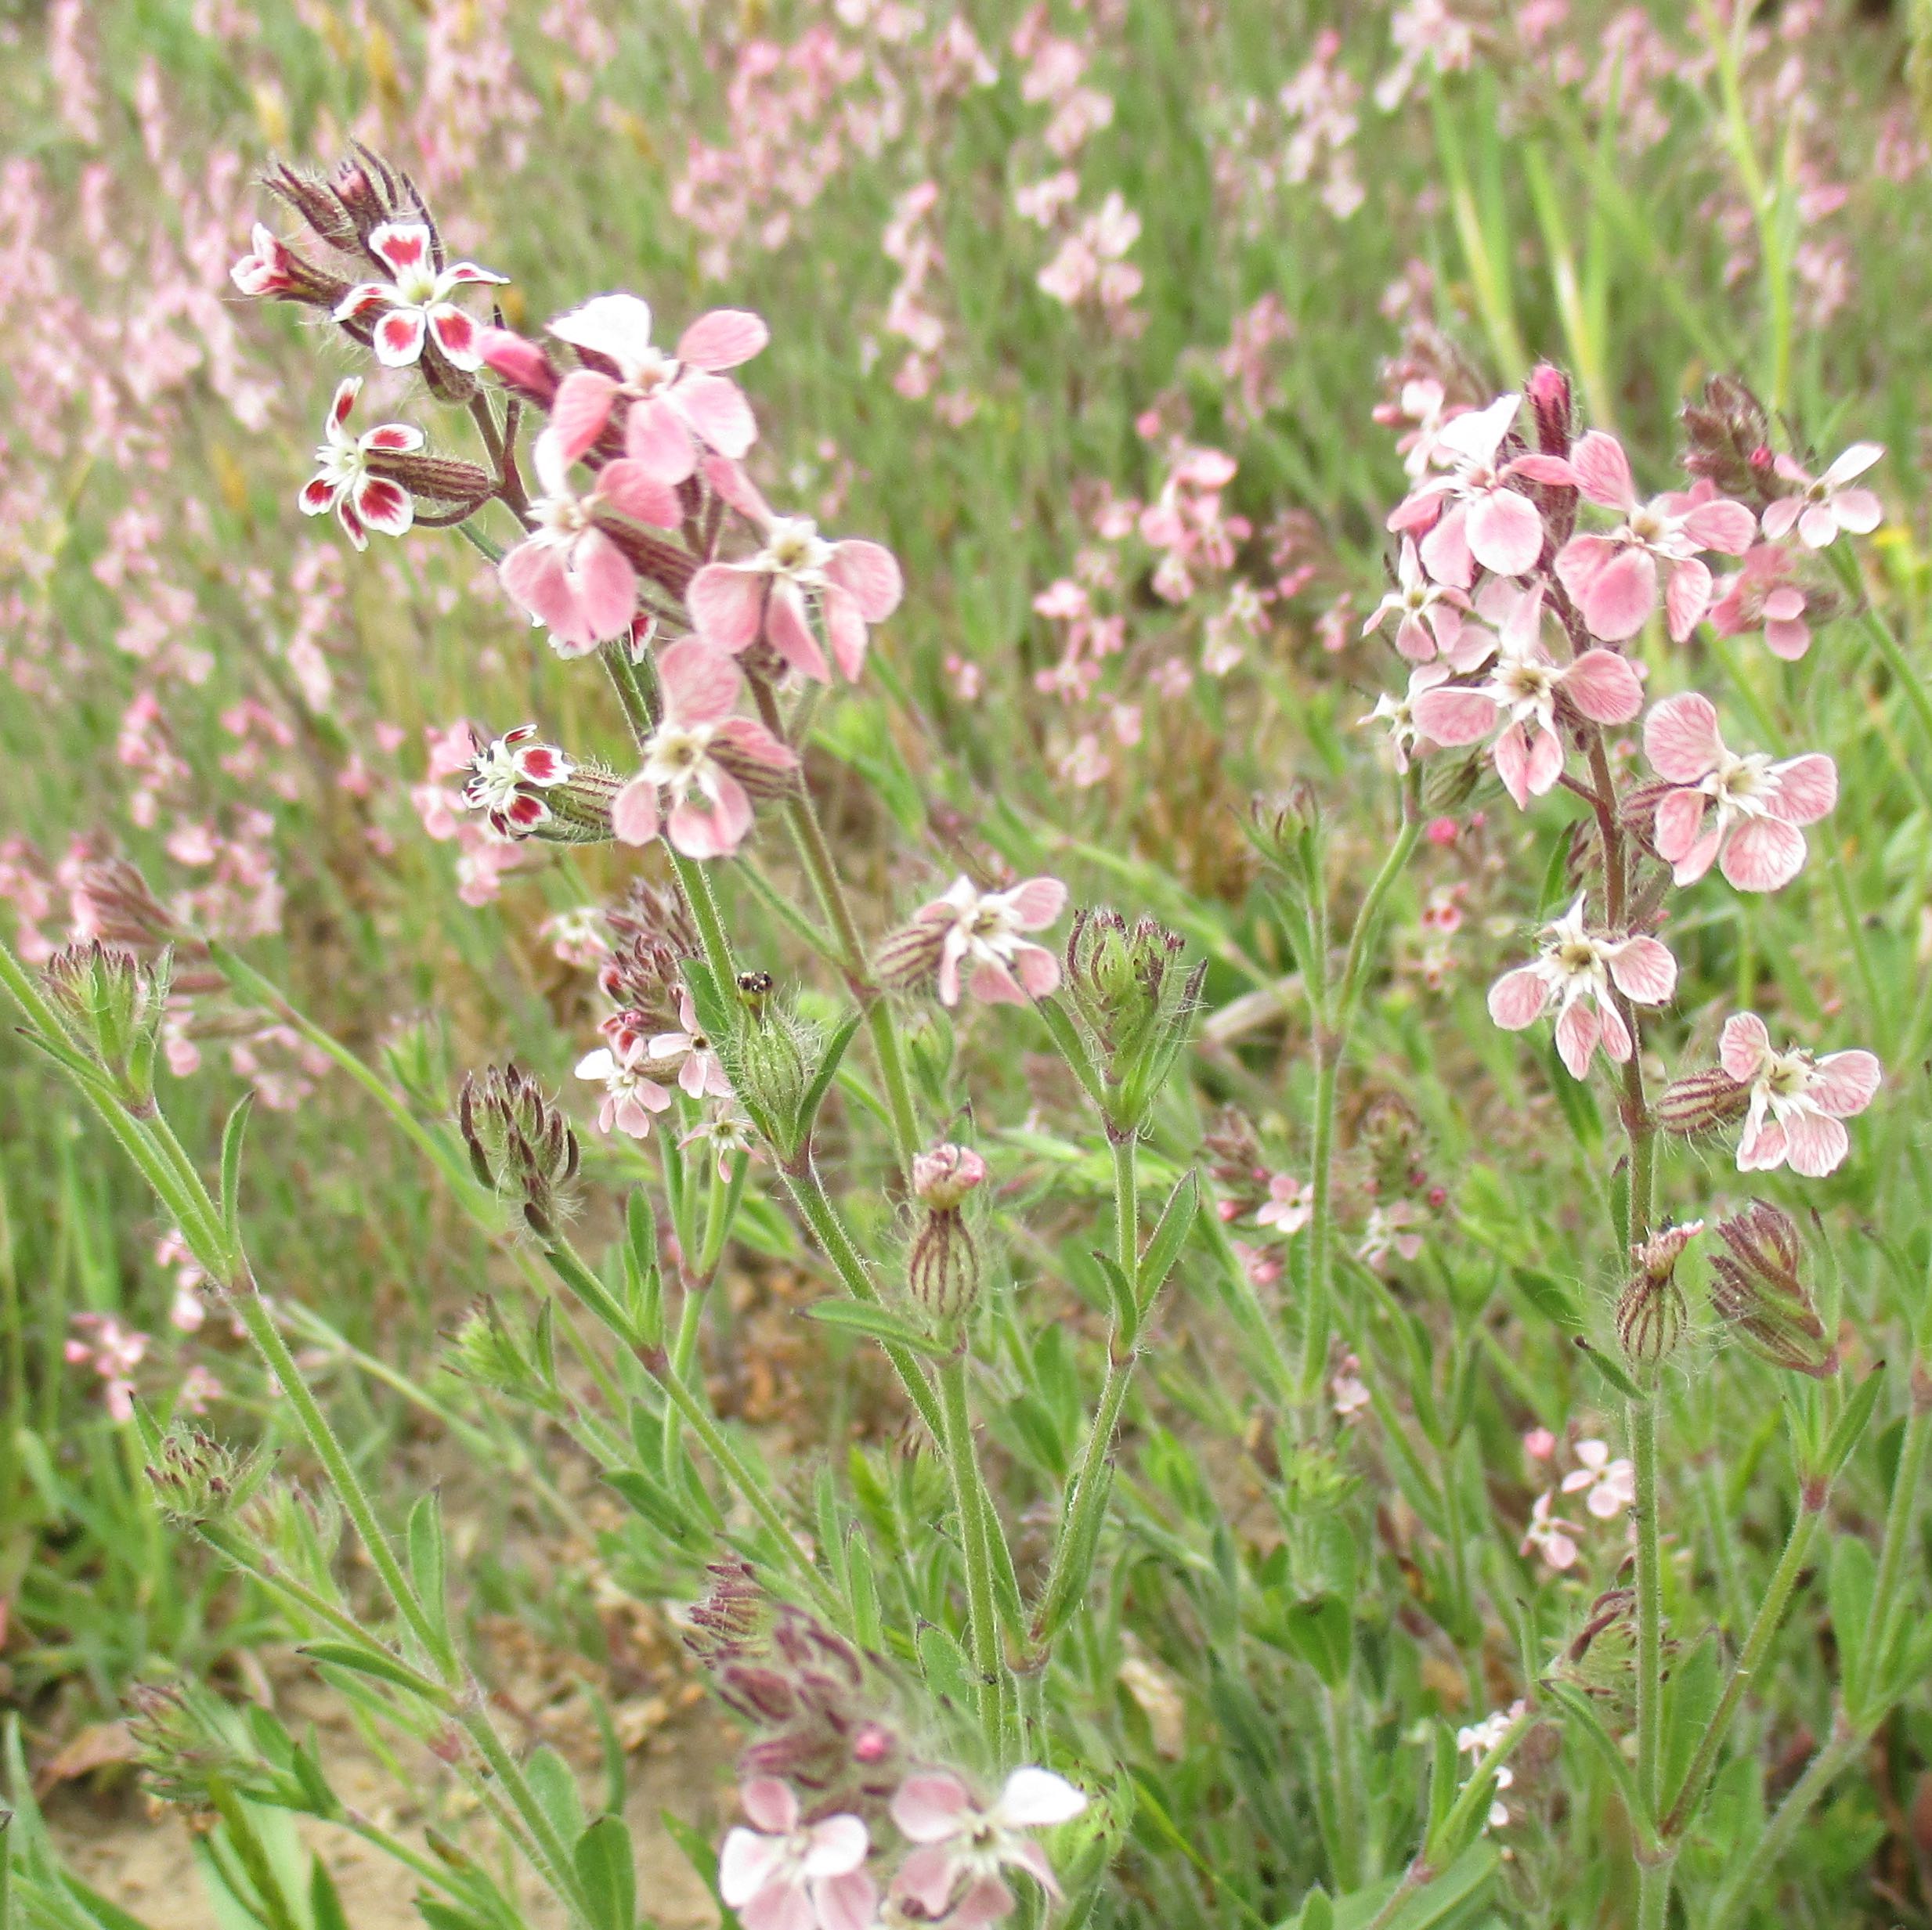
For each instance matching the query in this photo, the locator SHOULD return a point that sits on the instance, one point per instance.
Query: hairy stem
(982, 1625)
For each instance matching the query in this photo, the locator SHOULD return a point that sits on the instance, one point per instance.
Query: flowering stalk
(1334, 1018)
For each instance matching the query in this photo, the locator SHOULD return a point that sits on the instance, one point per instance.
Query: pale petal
(398, 337)
(701, 682)
(1517, 998)
(716, 408)
(1762, 1147)
(1807, 788)
(1743, 1046)
(715, 833)
(1726, 527)
(723, 339)
(1857, 511)
(747, 1864)
(1686, 597)
(845, 630)
(1780, 515)
(582, 409)
(1855, 462)
(458, 335)
(1643, 970)
(839, 1844)
(1455, 716)
(1037, 968)
(634, 811)
(615, 325)
(1576, 1033)
(1445, 550)
(1037, 903)
(870, 573)
(1763, 855)
(789, 632)
(605, 583)
(1815, 1144)
(849, 1902)
(384, 506)
(727, 605)
(1603, 471)
(1604, 687)
(1479, 435)
(629, 487)
(1617, 602)
(656, 438)
(929, 1809)
(1504, 532)
(1680, 738)
(1844, 1083)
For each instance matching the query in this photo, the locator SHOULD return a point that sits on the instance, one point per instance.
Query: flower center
(340, 465)
(1740, 782)
(793, 545)
(417, 287)
(1788, 1075)
(653, 372)
(677, 753)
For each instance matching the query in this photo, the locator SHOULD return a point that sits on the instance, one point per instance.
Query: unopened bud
(942, 1268)
(772, 1062)
(1725, 431)
(943, 1177)
(1549, 392)
(197, 1478)
(1702, 1102)
(520, 1145)
(1758, 1287)
(524, 366)
(908, 958)
(1651, 1315)
(114, 1003)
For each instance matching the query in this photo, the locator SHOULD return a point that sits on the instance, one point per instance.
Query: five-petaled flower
(1578, 967)
(1764, 590)
(1407, 740)
(508, 778)
(1798, 1103)
(1824, 505)
(1753, 837)
(1289, 1205)
(707, 761)
(1518, 702)
(1428, 615)
(270, 266)
(1470, 513)
(678, 405)
(362, 502)
(773, 593)
(416, 302)
(962, 1846)
(631, 1095)
(1612, 577)
(978, 933)
(569, 572)
(1549, 1536)
(687, 1055)
(785, 1873)
(1608, 1487)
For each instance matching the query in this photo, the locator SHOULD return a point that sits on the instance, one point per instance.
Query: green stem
(1078, 1527)
(982, 1626)
(1888, 1602)
(808, 1195)
(1643, 1428)
(1771, 1614)
(1332, 1028)
(1786, 1820)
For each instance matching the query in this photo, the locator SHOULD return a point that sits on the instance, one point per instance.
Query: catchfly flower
(343, 482)
(1517, 703)
(1429, 616)
(631, 1095)
(676, 404)
(508, 778)
(416, 301)
(796, 575)
(963, 1845)
(1613, 577)
(701, 764)
(785, 1873)
(1824, 505)
(978, 934)
(1762, 590)
(569, 572)
(1576, 968)
(1470, 514)
(1753, 835)
(1798, 1104)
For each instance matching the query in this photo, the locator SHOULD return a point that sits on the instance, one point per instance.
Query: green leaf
(377, 1662)
(948, 1674)
(1584, 1720)
(1073, 1047)
(1320, 1632)
(1852, 1423)
(702, 1858)
(428, 1559)
(1848, 1589)
(876, 1323)
(822, 1079)
(607, 1868)
(1690, 1698)
(1126, 1307)
(325, 1906)
(554, 1783)
(232, 1134)
(1170, 1235)
(1452, 1899)
(716, 1004)
(1614, 1375)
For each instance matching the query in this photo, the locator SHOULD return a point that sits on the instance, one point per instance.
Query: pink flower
(1608, 1487)
(1550, 1536)
(1429, 614)
(1539, 1444)
(982, 931)
(1518, 701)
(269, 267)
(703, 757)
(1754, 837)
(1472, 514)
(1577, 968)
(784, 1875)
(1407, 736)
(630, 1096)
(507, 779)
(1613, 577)
(774, 593)
(1349, 1389)
(688, 1053)
(362, 502)
(1798, 1102)
(1823, 505)
(1386, 1231)
(678, 405)
(1289, 1205)
(1763, 592)
(417, 302)
(963, 1846)
(568, 572)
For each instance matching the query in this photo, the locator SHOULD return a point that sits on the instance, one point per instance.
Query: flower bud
(197, 1478)
(1702, 1102)
(1651, 1315)
(520, 1145)
(524, 366)
(1449, 783)
(1549, 392)
(771, 1062)
(484, 1350)
(908, 958)
(1758, 1288)
(1136, 1003)
(185, 1738)
(942, 1268)
(943, 1177)
(114, 1003)
(1724, 430)
(659, 914)
(528, 789)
